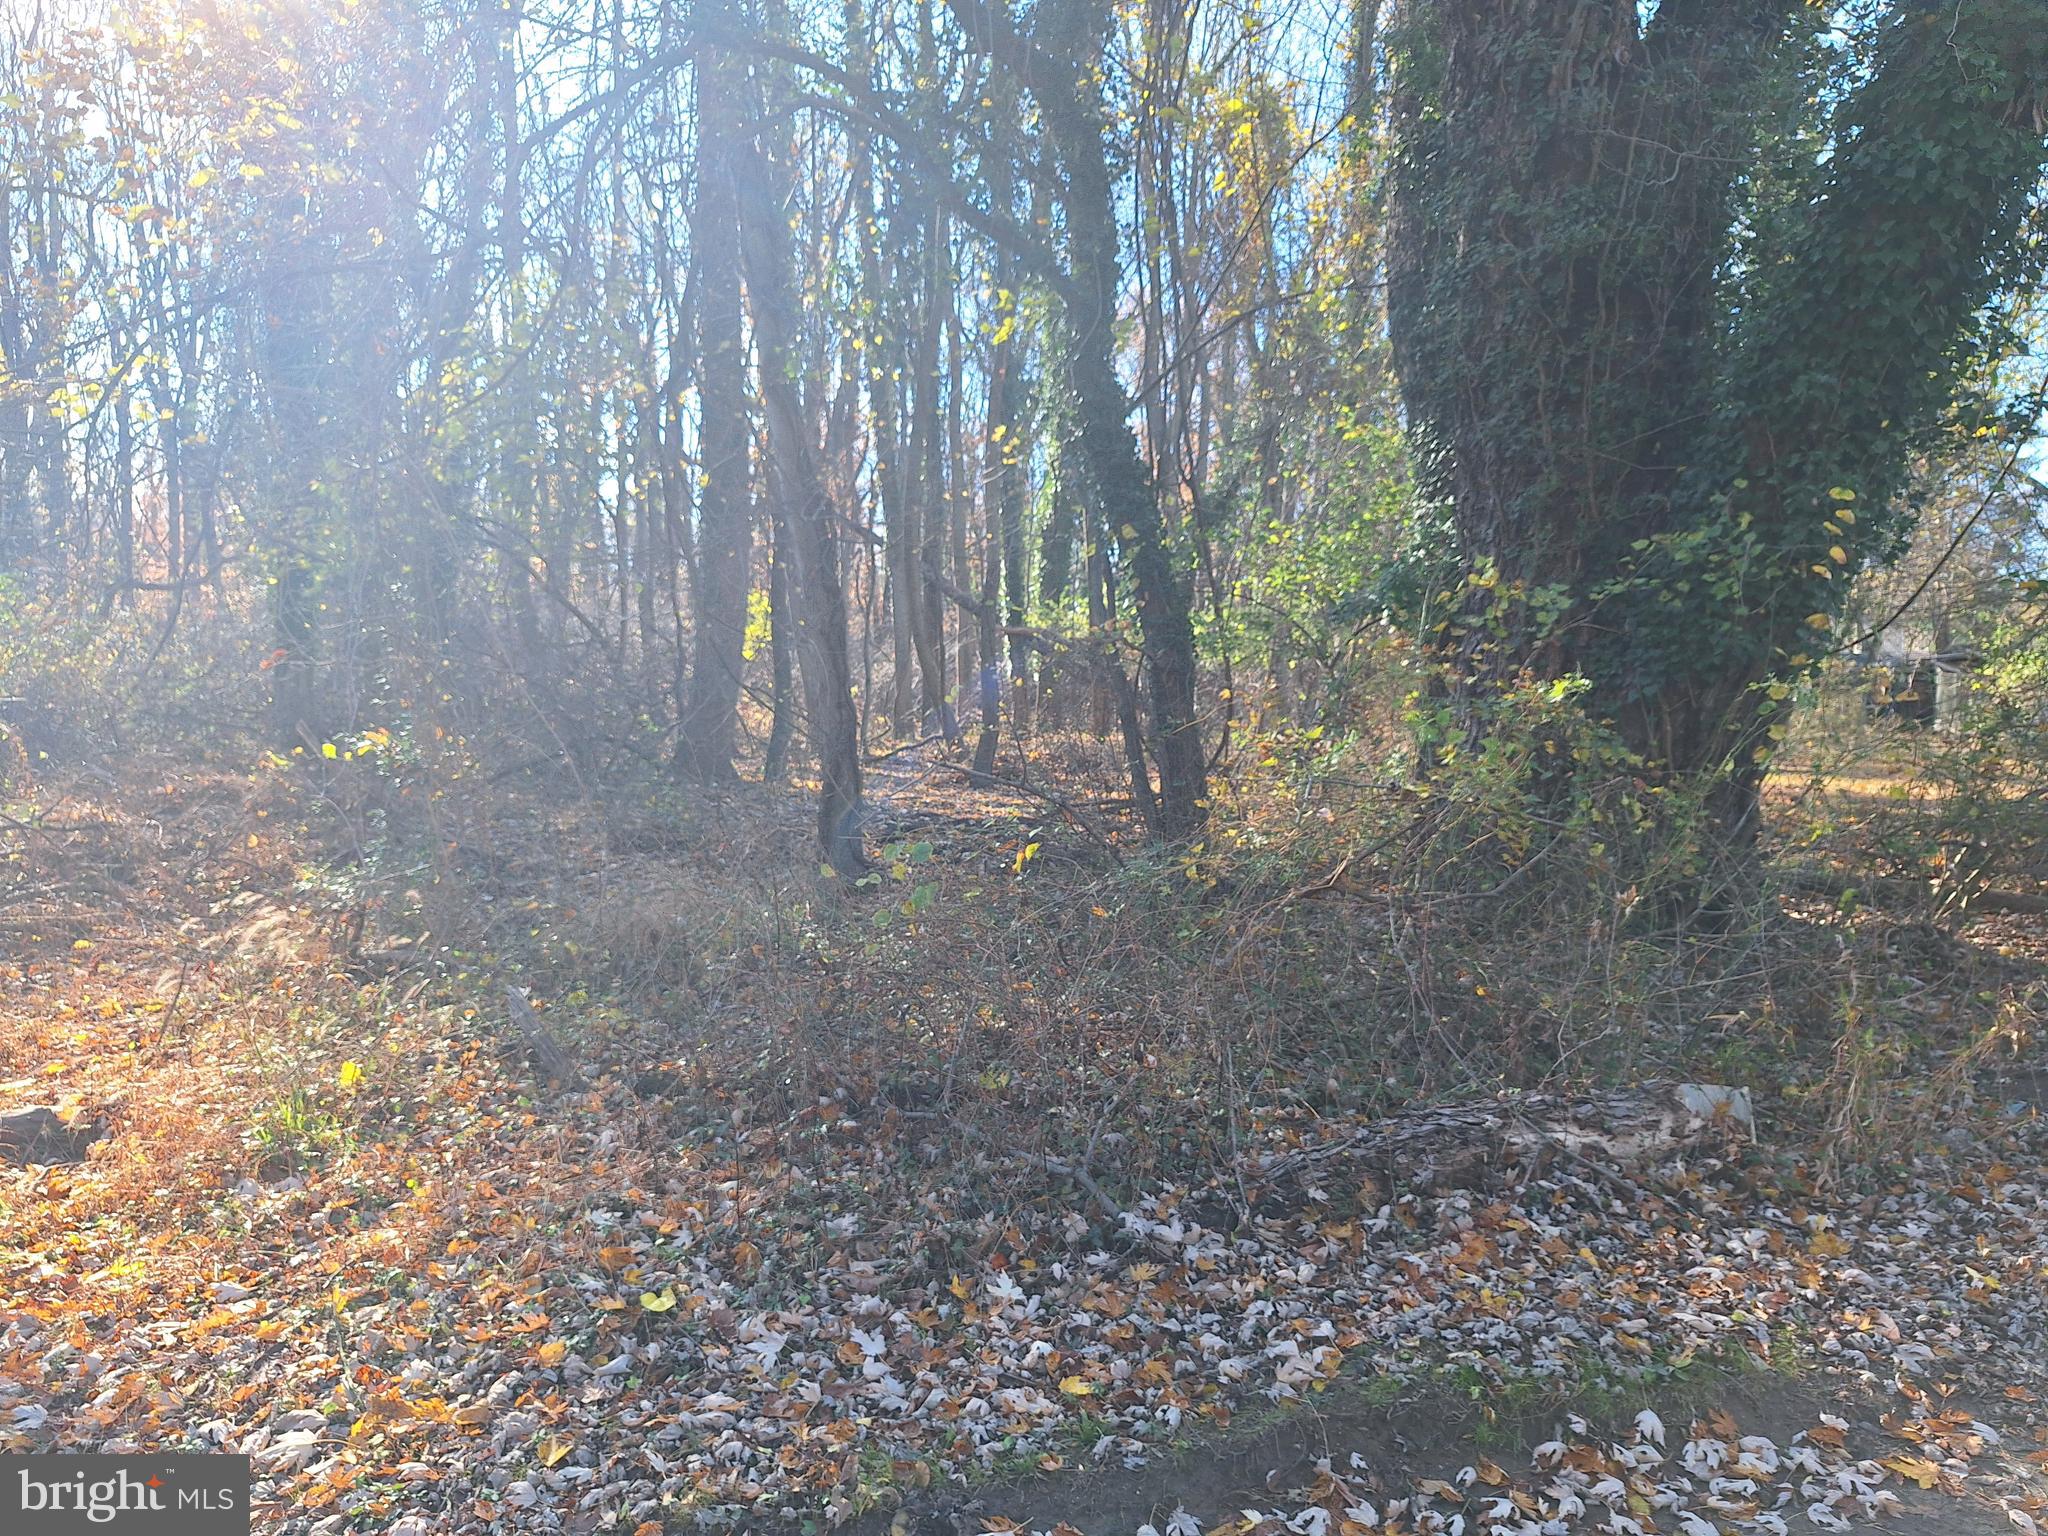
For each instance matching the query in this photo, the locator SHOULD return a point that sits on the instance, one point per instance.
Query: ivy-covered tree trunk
(1065, 79)
(1663, 384)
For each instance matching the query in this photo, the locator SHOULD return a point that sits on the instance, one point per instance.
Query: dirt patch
(1385, 1445)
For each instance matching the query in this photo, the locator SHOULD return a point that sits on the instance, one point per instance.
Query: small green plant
(899, 866)
(297, 1131)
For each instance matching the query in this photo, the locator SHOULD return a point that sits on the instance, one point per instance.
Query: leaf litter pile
(473, 1308)
(505, 1321)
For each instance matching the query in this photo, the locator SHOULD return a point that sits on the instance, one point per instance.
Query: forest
(1210, 767)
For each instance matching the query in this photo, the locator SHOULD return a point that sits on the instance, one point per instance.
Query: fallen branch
(1080, 1176)
(1883, 890)
(1450, 1145)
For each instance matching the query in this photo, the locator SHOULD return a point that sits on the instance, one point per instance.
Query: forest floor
(438, 1270)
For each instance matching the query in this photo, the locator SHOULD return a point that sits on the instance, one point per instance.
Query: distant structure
(1923, 690)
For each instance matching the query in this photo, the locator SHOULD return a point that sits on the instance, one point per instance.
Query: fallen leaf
(1918, 1468)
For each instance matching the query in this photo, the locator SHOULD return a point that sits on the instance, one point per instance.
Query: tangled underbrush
(1351, 935)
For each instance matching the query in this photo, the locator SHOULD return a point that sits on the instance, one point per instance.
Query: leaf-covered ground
(341, 1226)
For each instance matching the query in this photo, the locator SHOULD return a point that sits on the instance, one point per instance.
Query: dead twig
(556, 1064)
(1050, 1162)
(171, 1009)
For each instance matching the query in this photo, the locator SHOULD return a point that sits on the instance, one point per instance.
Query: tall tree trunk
(959, 507)
(1009, 492)
(677, 482)
(1062, 531)
(725, 532)
(124, 512)
(1071, 40)
(928, 489)
(516, 476)
(782, 652)
(1101, 615)
(820, 606)
(1003, 476)
(650, 542)
(892, 468)
(987, 678)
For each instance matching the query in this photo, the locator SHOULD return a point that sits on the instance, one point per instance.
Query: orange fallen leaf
(213, 1322)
